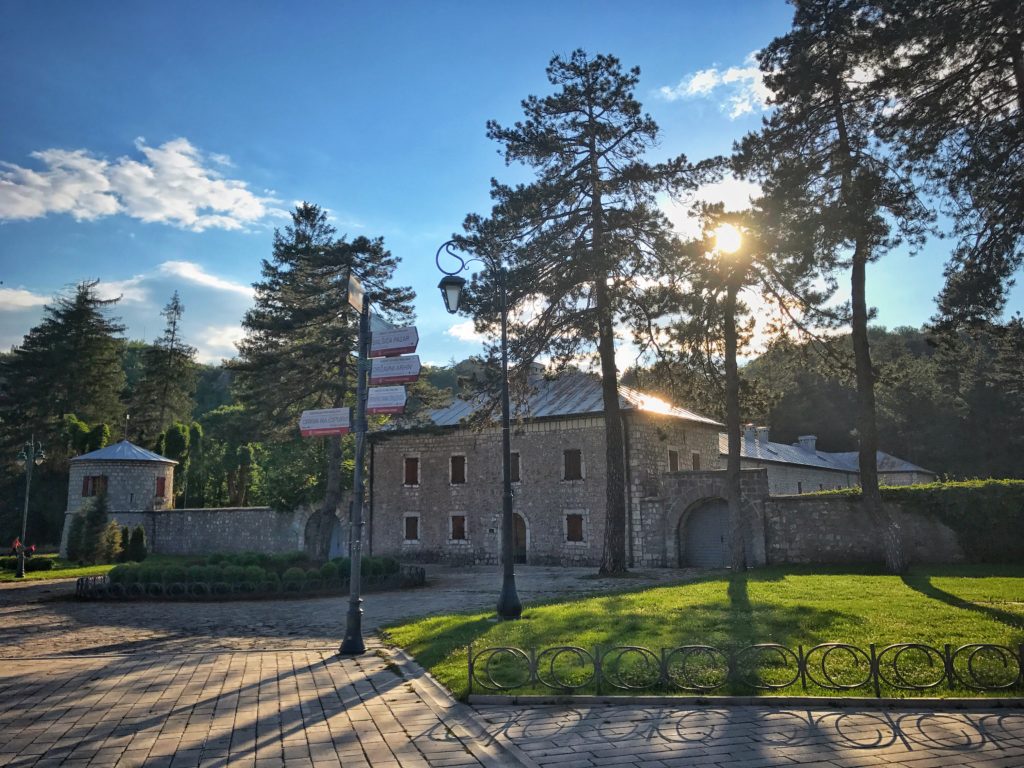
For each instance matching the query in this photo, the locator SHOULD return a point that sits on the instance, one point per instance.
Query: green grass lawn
(62, 569)
(790, 606)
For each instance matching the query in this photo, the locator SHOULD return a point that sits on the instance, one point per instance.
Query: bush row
(328, 574)
(31, 563)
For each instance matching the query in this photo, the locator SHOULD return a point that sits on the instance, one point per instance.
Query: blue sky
(155, 146)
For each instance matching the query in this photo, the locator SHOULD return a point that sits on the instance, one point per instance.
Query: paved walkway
(259, 684)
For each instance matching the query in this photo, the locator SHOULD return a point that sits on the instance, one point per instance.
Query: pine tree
(167, 385)
(301, 334)
(68, 364)
(955, 69)
(584, 239)
(823, 171)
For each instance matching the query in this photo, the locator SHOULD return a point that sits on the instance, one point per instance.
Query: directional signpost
(325, 421)
(397, 341)
(386, 400)
(395, 370)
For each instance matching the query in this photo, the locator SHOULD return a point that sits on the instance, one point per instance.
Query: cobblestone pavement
(42, 618)
(760, 737)
(258, 683)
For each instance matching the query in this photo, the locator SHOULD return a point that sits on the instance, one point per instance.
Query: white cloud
(465, 331)
(217, 342)
(172, 184)
(14, 299)
(195, 273)
(129, 290)
(742, 88)
(734, 193)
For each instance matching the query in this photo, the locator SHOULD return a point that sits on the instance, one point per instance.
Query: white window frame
(669, 450)
(451, 529)
(585, 526)
(419, 469)
(419, 529)
(583, 466)
(465, 468)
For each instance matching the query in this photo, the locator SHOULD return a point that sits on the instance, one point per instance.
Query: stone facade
(131, 485)
(792, 479)
(544, 499)
(836, 530)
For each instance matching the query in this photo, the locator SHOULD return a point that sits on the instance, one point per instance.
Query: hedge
(986, 515)
(31, 563)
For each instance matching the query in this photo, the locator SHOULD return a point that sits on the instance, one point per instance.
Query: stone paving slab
(290, 708)
(759, 737)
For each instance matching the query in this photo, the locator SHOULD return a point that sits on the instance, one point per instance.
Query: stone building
(132, 478)
(802, 468)
(435, 493)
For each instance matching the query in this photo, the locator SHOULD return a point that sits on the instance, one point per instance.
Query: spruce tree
(167, 385)
(301, 333)
(68, 364)
(584, 240)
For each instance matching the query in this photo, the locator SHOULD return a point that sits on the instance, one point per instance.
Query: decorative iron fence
(705, 669)
(101, 588)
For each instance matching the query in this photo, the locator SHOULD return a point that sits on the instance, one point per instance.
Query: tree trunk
(867, 431)
(613, 560)
(737, 528)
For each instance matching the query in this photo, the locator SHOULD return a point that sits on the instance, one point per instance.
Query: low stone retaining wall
(217, 530)
(820, 529)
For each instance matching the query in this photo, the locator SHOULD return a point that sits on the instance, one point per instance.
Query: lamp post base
(352, 643)
(509, 607)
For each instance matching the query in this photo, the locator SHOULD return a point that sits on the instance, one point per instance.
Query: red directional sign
(393, 342)
(325, 421)
(395, 370)
(386, 400)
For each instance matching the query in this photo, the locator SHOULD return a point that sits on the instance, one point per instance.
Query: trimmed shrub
(196, 574)
(75, 532)
(109, 548)
(92, 534)
(254, 574)
(329, 573)
(234, 574)
(38, 564)
(126, 537)
(175, 574)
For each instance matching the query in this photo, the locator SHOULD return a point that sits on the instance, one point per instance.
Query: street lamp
(31, 455)
(451, 286)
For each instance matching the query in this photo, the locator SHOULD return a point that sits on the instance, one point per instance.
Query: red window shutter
(574, 527)
(412, 471)
(100, 484)
(458, 527)
(161, 486)
(86, 486)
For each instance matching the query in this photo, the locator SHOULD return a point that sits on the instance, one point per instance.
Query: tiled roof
(124, 451)
(793, 454)
(572, 394)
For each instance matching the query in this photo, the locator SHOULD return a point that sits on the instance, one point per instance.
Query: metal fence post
(874, 672)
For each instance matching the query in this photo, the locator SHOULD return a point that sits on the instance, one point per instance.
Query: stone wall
(209, 531)
(836, 530)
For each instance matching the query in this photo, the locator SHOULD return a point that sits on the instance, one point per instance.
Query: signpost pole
(352, 644)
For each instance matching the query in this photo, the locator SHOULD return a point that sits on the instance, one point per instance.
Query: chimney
(749, 433)
(762, 436)
(807, 443)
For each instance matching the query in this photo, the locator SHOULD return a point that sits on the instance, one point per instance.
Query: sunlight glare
(727, 238)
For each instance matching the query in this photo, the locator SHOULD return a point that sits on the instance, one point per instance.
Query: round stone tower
(134, 480)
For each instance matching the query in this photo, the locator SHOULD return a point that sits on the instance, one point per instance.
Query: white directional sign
(355, 293)
(386, 400)
(394, 370)
(325, 421)
(398, 341)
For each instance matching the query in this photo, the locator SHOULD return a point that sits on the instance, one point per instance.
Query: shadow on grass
(922, 582)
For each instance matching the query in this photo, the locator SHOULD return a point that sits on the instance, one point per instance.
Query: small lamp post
(31, 455)
(451, 285)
